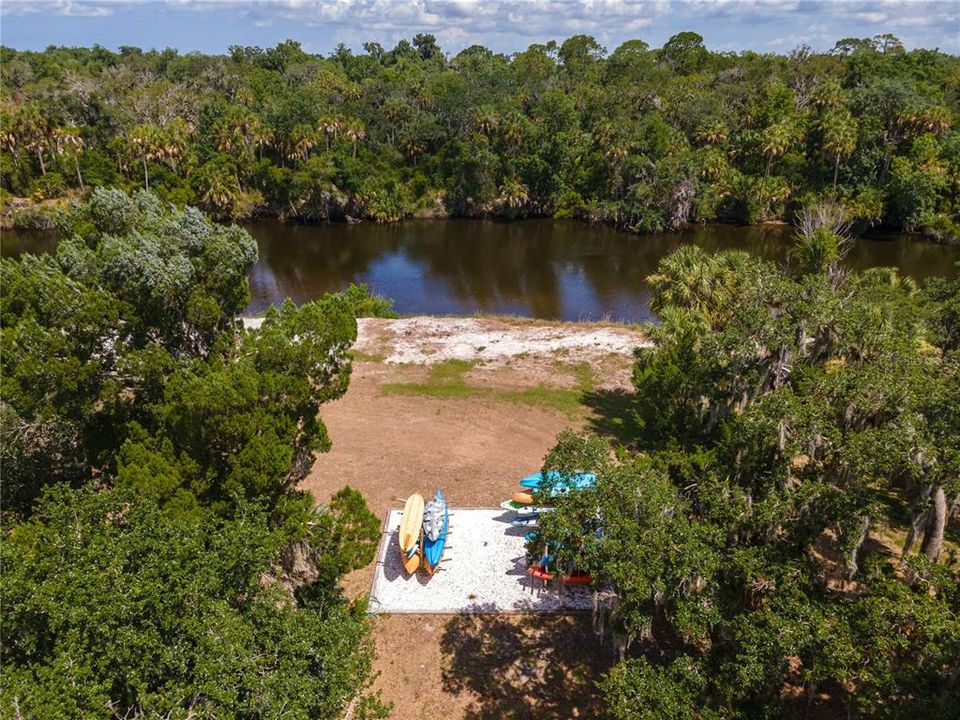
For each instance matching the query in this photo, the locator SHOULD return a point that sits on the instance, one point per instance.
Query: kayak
(526, 521)
(533, 510)
(436, 520)
(577, 577)
(523, 498)
(411, 528)
(573, 482)
(511, 506)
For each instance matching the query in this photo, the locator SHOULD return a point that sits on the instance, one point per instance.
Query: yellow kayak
(411, 527)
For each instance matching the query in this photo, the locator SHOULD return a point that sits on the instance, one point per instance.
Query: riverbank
(25, 213)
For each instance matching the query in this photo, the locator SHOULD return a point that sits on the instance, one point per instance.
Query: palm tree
(513, 194)
(513, 130)
(485, 120)
(67, 141)
(354, 131)
(775, 142)
(31, 128)
(329, 125)
(933, 119)
(145, 142)
(302, 141)
(692, 279)
(828, 94)
(218, 189)
(713, 132)
(839, 137)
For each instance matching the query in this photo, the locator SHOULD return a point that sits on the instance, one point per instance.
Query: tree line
(644, 138)
(158, 558)
(770, 536)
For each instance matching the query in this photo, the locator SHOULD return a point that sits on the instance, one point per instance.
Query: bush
(49, 186)
(33, 218)
(941, 228)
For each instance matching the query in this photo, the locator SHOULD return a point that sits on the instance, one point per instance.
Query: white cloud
(510, 25)
(67, 8)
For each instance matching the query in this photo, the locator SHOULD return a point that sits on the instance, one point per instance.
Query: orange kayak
(523, 498)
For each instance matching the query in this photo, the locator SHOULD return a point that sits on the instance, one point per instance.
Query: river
(538, 268)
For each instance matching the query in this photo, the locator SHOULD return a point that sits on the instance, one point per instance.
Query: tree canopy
(772, 534)
(644, 138)
(158, 557)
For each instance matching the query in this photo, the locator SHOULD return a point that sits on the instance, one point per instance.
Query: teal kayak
(436, 518)
(576, 481)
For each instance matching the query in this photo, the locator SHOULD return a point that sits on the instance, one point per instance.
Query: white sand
(426, 340)
(483, 570)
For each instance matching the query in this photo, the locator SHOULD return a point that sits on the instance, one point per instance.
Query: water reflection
(539, 268)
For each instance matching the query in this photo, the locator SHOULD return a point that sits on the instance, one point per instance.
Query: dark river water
(538, 268)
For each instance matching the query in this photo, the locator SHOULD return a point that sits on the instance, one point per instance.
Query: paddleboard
(575, 481)
(411, 528)
(436, 519)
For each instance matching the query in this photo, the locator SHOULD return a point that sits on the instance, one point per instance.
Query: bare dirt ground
(472, 432)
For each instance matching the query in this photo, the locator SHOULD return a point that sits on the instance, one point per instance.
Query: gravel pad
(483, 570)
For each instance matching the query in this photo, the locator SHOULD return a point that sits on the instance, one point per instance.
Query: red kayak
(577, 578)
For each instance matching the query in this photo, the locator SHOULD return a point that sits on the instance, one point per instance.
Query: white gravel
(483, 570)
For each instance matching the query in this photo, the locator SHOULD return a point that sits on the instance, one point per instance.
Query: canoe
(573, 482)
(436, 521)
(523, 498)
(411, 527)
(578, 577)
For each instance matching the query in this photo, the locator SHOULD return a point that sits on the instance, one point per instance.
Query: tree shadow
(614, 415)
(525, 666)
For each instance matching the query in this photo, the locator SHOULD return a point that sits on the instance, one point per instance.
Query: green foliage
(783, 421)
(112, 606)
(563, 129)
(157, 556)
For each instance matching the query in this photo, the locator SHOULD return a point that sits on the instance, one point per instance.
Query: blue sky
(213, 25)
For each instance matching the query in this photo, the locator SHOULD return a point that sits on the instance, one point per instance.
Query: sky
(505, 26)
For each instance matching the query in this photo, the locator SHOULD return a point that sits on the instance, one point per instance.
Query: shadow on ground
(614, 415)
(524, 666)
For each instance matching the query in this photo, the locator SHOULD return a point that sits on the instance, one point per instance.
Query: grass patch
(565, 400)
(361, 356)
(446, 380)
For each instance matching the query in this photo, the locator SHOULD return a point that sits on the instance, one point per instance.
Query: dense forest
(646, 139)
(769, 537)
(158, 559)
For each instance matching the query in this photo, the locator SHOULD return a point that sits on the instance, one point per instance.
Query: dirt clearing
(471, 424)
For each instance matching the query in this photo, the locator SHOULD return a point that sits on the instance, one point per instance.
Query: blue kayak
(572, 482)
(436, 518)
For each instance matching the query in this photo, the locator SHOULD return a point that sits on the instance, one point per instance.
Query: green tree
(113, 607)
